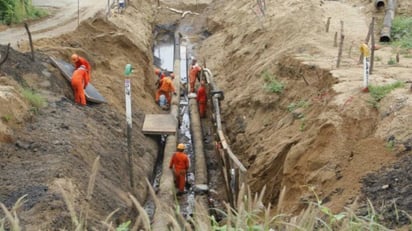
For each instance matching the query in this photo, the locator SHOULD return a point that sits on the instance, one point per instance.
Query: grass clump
(378, 92)
(299, 104)
(391, 61)
(401, 32)
(271, 83)
(35, 100)
(6, 118)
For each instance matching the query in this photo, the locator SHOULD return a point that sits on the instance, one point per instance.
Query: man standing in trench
(193, 74)
(202, 99)
(179, 164)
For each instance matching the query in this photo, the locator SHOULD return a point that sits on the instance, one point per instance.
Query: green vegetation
(250, 215)
(271, 83)
(300, 104)
(390, 145)
(378, 92)
(391, 61)
(6, 118)
(401, 32)
(302, 124)
(17, 11)
(35, 100)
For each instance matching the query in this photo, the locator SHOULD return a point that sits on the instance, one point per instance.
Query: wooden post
(350, 49)
(372, 28)
(335, 40)
(328, 24)
(366, 41)
(6, 56)
(342, 37)
(31, 42)
(397, 57)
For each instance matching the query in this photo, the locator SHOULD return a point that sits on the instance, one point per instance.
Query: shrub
(271, 83)
(401, 32)
(35, 100)
(16, 11)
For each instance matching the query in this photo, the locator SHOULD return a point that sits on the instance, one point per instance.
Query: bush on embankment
(17, 11)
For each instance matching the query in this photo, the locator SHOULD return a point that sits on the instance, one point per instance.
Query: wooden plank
(67, 69)
(159, 124)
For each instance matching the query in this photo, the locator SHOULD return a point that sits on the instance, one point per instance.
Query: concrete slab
(159, 124)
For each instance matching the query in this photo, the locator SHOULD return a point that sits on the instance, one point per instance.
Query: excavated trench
(171, 54)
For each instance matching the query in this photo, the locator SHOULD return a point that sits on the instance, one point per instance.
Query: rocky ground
(335, 142)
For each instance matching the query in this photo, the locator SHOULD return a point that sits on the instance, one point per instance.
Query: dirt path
(64, 18)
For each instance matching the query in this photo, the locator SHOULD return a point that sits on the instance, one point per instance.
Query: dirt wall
(54, 151)
(299, 138)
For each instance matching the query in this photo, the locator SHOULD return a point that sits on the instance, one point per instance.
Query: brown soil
(337, 144)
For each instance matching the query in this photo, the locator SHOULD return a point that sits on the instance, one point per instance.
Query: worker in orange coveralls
(166, 87)
(193, 73)
(180, 164)
(78, 61)
(202, 99)
(160, 74)
(79, 83)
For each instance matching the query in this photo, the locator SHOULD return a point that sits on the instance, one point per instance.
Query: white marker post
(365, 52)
(128, 100)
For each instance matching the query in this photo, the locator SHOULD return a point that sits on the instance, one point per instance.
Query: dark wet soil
(389, 190)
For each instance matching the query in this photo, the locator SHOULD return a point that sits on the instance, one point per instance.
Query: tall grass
(250, 214)
(17, 11)
(401, 32)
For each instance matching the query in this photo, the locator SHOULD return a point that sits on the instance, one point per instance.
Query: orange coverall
(202, 100)
(165, 87)
(79, 82)
(194, 69)
(180, 163)
(83, 61)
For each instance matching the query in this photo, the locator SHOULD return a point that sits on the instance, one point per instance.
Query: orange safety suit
(202, 100)
(194, 70)
(84, 62)
(180, 164)
(79, 83)
(165, 87)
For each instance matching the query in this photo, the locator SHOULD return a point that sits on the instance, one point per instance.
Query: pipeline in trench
(172, 53)
(165, 54)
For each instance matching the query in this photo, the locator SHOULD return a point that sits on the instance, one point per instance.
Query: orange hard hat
(157, 71)
(75, 58)
(181, 146)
